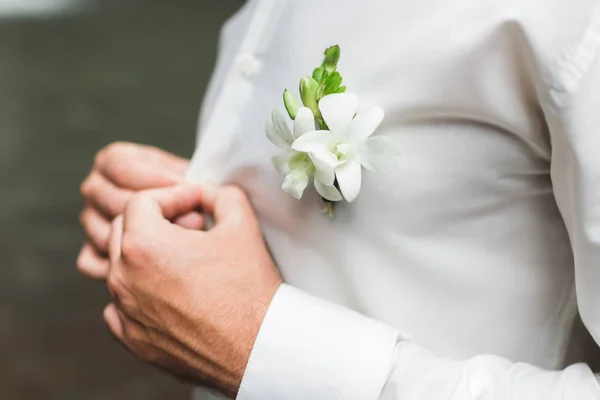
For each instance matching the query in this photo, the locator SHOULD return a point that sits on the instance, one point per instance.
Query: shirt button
(248, 65)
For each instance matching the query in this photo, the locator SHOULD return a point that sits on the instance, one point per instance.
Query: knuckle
(99, 158)
(90, 264)
(82, 269)
(83, 218)
(117, 155)
(115, 285)
(82, 265)
(115, 149)
(122, 168)
(133, 245)
(86, 187)
(134, 334)
(138, 342)
(87, 221)
(103, 154)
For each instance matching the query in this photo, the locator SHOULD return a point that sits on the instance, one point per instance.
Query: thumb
(161, 205)
(232, 207)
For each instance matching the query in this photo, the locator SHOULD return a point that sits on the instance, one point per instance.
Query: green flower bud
(292, 103)
(321, 91)
(329, 208)
(308, 94)
(332, 57)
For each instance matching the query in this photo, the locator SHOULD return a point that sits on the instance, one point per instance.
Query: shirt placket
(211, 156)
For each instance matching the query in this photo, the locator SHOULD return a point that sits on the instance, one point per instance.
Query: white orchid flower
(346, 146)
(297, 165)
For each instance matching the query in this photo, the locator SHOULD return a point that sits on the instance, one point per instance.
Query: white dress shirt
(458, 276)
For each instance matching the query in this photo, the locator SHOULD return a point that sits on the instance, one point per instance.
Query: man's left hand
(190, 302)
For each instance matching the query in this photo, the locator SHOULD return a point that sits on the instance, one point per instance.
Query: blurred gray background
(71, 81)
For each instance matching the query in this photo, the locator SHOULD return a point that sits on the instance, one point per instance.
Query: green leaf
(308, 94)
(333, 83)
(332, 57)
(341, 89)
(292, 103)
(319, 74)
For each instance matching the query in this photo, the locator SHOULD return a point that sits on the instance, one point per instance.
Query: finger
(131, 334)
(114, 241)
(131, 166)
(232, 207)
(109, 199)
(91, 264)
(192, 220)
(168, 160)
(114, 322)
(161, 205)
(96, 227)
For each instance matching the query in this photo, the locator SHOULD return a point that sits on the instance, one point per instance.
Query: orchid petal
(295, 182)
(278, 131)
(378, 154)
(304, 122)
(325, 163)
(365, 123)
(338, 111)
(313, 141)
(349, 178)
(282, 161)
(324, 157)
(328, 192)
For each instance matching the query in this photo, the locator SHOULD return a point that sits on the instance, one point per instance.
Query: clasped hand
(188, 301)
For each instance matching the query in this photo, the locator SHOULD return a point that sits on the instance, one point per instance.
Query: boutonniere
(329, 142)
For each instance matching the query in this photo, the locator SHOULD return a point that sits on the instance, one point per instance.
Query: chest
(468, 211)
(457, 100)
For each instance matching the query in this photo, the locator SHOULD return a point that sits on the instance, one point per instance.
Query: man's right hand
(120, 170)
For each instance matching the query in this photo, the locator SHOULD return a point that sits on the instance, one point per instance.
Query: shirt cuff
(308, 348)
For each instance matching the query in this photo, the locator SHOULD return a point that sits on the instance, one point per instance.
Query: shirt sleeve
(311, 349)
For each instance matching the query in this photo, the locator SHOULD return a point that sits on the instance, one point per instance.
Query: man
(457, 277)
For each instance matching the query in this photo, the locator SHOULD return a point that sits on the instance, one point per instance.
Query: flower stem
(328, 208)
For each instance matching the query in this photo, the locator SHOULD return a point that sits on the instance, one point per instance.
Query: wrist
(245, 334)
